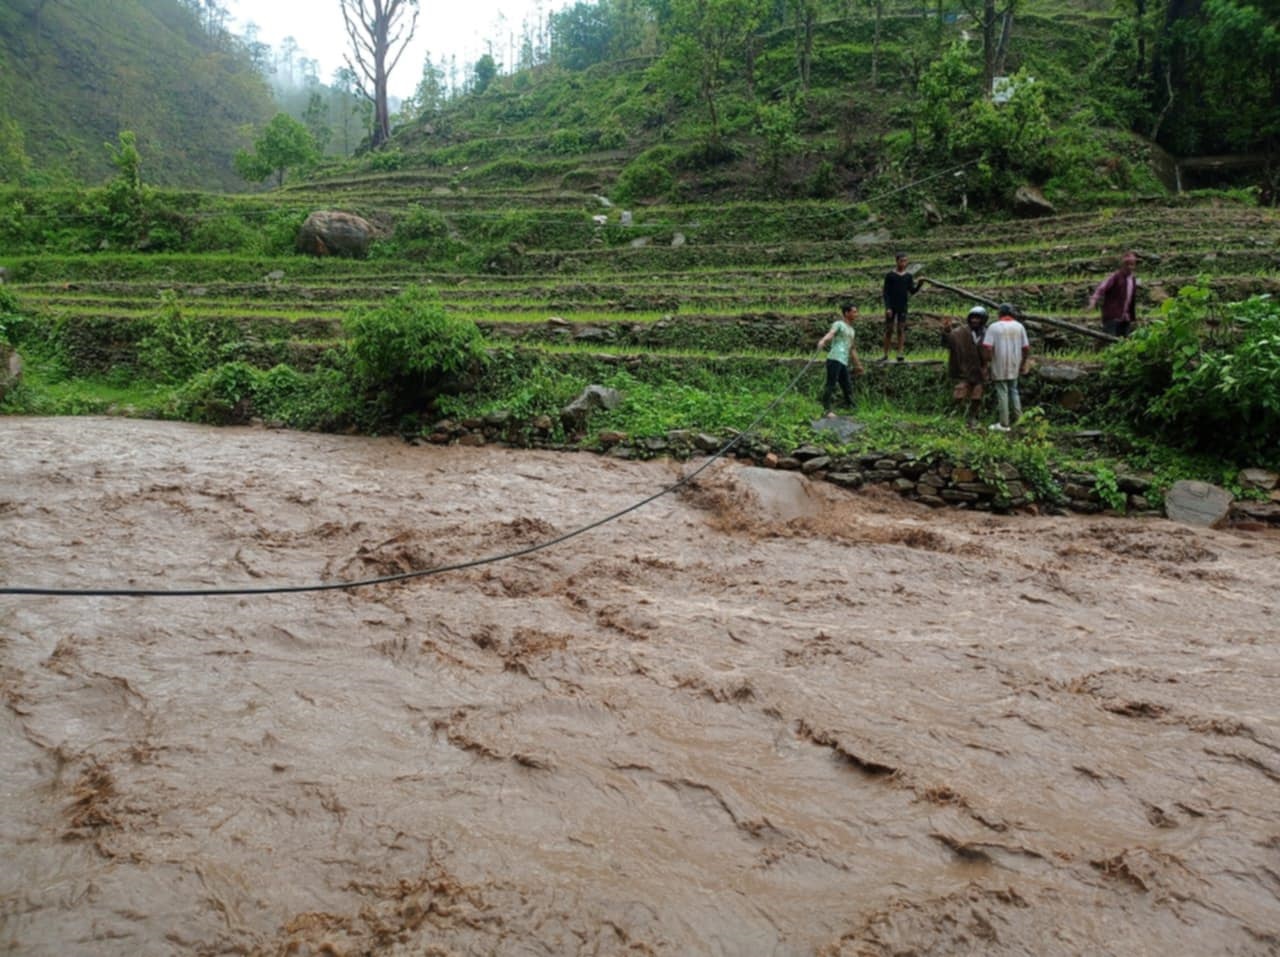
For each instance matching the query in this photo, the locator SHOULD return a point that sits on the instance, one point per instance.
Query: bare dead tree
(379, 34)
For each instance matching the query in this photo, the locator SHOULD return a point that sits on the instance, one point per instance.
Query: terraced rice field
(758, 279)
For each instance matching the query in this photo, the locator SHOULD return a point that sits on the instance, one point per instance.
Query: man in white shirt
(1006, 348)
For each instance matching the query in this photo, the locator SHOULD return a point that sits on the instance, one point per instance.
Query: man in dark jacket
(1118, 295)
(966, 363)
(899, 286)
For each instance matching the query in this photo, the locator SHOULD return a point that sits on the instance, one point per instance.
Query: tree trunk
(875, 47)
(1002, 48)
(377, 30)
(988, 45)
(1140, 8)
(806, 14)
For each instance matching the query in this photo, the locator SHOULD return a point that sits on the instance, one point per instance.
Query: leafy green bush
(612, 136)
(648, 176)
(279, 232)
(566, 142)
(1201, 381)
(222, 395)
(175, 347)
(388, 161)
(9, 317)
(421, 222)
(409, 350)
(224, 234)
(319, 400)
(506, 172)
(522, 383)
(822, 182)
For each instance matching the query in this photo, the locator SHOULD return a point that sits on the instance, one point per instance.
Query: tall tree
(486, 70)
(346, 102)
(379, 33)
(430, 94)
(288, 50)
(707, 39)
(581, 35)
(877, 13)
(284, 145)
(316, 119)
(804, 14)
(995, 18)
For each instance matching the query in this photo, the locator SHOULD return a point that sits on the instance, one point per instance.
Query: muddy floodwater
(729, 722)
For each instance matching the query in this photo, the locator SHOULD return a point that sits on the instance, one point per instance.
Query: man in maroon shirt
(1118, 294)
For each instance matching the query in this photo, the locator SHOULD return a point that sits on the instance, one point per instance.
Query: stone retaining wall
(930, 480)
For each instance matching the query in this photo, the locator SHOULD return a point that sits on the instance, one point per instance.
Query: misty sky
(460, 29)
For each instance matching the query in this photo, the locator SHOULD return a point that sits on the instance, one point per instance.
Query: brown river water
(726, 723)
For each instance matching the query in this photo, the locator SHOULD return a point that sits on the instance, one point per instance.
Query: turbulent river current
(728, 723)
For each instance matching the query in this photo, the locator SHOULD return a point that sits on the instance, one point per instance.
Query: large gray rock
(1056, 373)
(1029, 202)
(844, 428)
(574, 415)
(10, 370)
(1197, 503)
(331, 233)
(872, 238)
(781, 495)
(1261, 479)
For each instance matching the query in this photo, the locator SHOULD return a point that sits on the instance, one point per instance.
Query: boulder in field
(1029, 202)
(574, 415)
(844, 428)
(331, 233)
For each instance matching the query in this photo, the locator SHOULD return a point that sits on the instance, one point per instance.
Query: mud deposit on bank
(697, 730)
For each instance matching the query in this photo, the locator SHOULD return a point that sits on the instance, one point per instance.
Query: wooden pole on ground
(1044, 320)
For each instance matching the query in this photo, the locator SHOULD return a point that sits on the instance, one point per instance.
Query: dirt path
(697, 730)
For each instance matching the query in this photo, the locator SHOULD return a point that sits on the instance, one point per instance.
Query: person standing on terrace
(899, 287)
(966, 362)
(840, 338)
(1006, 348)
(1118, 295)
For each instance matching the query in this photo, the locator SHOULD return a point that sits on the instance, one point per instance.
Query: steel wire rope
(419, 573)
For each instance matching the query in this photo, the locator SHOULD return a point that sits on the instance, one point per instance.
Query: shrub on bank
(1204, 376)
(409, 350)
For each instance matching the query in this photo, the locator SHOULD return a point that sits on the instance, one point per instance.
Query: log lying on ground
(1029, 317)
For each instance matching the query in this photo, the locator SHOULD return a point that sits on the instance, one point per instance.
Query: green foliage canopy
(285, 144)
(409, 349)
(1202, 379)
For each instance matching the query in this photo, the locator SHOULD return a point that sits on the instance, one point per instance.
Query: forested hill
(74, 73)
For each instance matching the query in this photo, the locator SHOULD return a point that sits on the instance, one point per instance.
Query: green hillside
(74, 73)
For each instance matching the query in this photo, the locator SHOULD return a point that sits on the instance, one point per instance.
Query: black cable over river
(816, 722)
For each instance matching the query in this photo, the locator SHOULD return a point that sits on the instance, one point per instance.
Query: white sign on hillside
(1003, 87)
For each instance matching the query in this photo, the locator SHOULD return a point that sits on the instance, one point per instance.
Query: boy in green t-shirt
(840, 338)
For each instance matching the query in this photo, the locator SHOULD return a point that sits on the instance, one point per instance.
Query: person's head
(900, 260)
(849, 311)
(1008, 310)
(977, 317)
(1129, 261)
